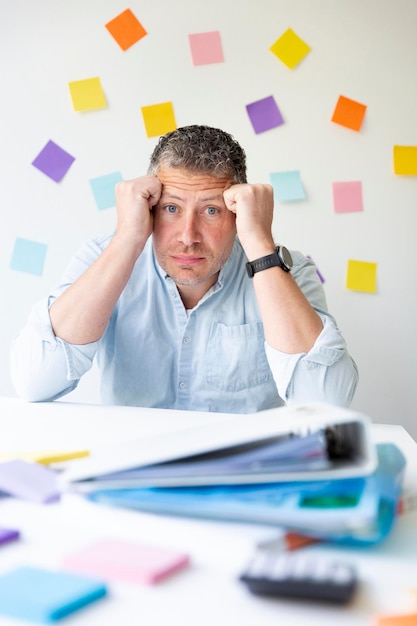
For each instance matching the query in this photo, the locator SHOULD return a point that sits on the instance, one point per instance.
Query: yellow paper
(87, 94)
(361, 276)
(405, 160)
(159, 119)
(290, 49)
(45, 458)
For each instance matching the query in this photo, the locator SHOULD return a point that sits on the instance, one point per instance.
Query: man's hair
(200, 149)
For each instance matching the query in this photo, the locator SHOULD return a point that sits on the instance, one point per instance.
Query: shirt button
(187, 339)
(173, 294)
(183, 385)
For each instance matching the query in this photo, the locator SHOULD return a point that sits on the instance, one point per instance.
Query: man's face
(193, 230)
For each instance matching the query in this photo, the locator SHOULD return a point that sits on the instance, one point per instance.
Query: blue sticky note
(287, 186)
(45, 596)
(103, 190)
(28, 256)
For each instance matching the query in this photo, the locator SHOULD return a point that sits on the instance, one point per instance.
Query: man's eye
(211, 210)
(170, 208)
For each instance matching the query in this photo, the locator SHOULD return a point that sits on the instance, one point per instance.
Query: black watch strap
(280, 258)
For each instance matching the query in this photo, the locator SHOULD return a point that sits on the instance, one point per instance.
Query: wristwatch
(280, 258)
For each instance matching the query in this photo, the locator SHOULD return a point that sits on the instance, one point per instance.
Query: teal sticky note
(39, 595)
(287, 186)
(103, 190)
(28, 256)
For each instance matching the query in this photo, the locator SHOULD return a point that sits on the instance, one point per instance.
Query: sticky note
(206, 48)
(28, 256)
(29, 481)
(290, 49)
(361, 276)
(159, 119)
(264, 114)
(319, 274)
(405, 160)
(287, 186)
(87, 94)
(8, 534)
(126, 561)
(103, 188)
(349, 113)
(126, 29)
(53, 161)
(409, 619)
(39, 595)
(44, 458)
(347, 197)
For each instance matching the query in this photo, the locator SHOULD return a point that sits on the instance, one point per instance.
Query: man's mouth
(187, 259)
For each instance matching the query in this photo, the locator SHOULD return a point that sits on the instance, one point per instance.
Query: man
(189, 304)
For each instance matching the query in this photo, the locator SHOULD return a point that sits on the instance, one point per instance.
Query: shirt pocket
(236, 358)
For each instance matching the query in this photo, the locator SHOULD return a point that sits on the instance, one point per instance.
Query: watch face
(286, 257)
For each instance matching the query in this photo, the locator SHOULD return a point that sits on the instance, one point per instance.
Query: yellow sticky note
(361, 276)
(405, 160)
(290, 49)
(45, 458)
(87, 94)
(159, 119)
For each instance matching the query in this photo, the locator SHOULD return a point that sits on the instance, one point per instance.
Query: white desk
(208, 593)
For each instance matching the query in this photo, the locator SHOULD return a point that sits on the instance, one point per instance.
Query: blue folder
(354, 510)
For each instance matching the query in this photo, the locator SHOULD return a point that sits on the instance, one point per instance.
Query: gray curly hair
(200, 149)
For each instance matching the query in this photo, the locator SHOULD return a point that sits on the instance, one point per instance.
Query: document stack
(311, 469)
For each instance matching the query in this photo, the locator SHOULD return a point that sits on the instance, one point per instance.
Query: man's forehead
(182, 179)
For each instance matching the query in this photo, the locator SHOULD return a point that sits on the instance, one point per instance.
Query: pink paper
(347, 197)
(127, 561)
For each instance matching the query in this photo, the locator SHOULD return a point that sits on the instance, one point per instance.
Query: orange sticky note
(159, 119)
(361, 276)
(405, 160)
(87, 94)
(349, 113)
(126, 29)
(397, 620)
(290, 49)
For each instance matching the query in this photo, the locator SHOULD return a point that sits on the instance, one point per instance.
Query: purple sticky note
(29, 481)
(322, 280)
(8, 534)
(264, 114)
(53, 161)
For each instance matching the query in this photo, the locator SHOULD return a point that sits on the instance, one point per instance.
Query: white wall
(363, 49)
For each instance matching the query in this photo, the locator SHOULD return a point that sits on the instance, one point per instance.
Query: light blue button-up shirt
(155, 353)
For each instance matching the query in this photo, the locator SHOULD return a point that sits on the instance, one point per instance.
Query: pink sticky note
(127, 561)
(347, 197)
(29, 481)
(206, 48)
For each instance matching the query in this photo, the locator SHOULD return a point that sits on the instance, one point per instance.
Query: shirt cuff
(79, 358)
(328, 348)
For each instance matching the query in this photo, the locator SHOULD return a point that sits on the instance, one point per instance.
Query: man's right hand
(134, 201)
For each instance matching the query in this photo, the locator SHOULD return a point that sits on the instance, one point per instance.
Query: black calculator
(299, 575)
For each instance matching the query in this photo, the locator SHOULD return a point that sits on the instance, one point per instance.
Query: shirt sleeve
(327, 373)
(44, 367)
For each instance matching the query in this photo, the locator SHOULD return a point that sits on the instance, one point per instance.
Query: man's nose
(189, 232)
